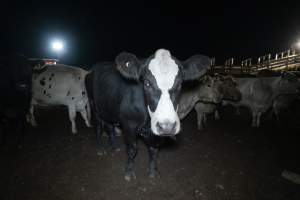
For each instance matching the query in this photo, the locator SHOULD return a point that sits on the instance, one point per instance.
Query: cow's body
(15, 84)
(258, 94)
(141, 96)
(61, 85)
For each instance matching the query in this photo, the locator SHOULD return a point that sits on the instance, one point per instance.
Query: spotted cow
(61, 85)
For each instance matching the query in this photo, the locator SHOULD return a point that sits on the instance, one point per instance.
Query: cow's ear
(128, 65)
(195, 67)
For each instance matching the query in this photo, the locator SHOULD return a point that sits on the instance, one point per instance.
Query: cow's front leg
(72, 117)
(98, 126)
(254, 119)
(217, 115)
(276, 113)
(130, 138)
(258, 119)
(84, 115)
(112, 137)
(153, 154)
(200, 119)
(30, 116)
(129, 168)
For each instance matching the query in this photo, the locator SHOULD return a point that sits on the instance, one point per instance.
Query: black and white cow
(142, 96)
(15, 86)
(61, 85)
(258, 94)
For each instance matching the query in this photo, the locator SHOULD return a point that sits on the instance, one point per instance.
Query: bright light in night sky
(298, 44)
(57, 45)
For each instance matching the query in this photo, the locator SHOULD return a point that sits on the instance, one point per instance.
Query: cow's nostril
(166, 127)
(160, 126)
(173, 125)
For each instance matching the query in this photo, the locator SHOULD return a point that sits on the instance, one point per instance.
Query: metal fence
(284, 61)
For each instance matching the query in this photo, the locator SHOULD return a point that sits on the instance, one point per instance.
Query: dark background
(99, 31)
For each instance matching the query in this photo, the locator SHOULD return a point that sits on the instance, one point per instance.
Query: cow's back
(257, 93)
(59, 85)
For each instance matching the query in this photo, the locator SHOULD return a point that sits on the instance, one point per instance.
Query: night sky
(98, 32)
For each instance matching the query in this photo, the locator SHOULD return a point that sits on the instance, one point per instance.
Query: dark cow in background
(207, 96)
(206, 90)
(282, 103)
(142, 96)
(61, 85)
(229, 91)
(15, 85)
(259, 94)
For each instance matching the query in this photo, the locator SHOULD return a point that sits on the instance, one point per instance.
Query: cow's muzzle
(166, 128)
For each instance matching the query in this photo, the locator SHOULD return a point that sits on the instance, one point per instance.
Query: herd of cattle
(146, 98)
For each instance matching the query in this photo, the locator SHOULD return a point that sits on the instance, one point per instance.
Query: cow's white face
(160, 84)
(161, 76)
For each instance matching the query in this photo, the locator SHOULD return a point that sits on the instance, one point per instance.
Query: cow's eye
(146, 83)
(209, 85)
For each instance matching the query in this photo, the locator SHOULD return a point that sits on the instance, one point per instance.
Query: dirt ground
(229, 160)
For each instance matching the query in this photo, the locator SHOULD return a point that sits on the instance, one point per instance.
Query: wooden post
(212, 61)
(269, 58)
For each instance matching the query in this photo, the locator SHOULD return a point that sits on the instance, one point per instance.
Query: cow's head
(229, 89)
(209, 90)
(162, 76)
(288, 83)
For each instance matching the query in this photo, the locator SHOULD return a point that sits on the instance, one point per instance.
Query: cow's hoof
(116, 149)
(129, 175)
(101, 152)
(154, 174)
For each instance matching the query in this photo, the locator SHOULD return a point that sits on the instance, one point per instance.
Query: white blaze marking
(164, 69)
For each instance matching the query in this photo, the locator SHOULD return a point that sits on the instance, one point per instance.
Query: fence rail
(284, 61)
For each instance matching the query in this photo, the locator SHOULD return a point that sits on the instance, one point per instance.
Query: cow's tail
(89, 89)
